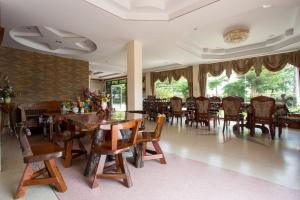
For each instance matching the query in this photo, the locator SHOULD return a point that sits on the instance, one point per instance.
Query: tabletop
(94, 120)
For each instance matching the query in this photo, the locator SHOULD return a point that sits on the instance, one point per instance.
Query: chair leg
(225, 122)
(125, 170)
(159, 151)
(22, 187)
(55, 173)
(272, 131)
(208, 123)
(215, 121)
(82, 150)
(99, 171)
(68, 153)
(180, 120)
(242, 125)
(238, 126)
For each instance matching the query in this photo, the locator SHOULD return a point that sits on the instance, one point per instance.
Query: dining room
(149, 99)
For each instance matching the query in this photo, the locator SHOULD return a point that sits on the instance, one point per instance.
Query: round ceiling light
(52, 40)
(236, 35)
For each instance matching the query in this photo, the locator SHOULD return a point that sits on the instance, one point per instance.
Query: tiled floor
(275, 161)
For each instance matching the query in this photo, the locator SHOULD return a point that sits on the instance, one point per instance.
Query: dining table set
(95, 124)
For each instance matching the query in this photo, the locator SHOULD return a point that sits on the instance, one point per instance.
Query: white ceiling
(179, 34)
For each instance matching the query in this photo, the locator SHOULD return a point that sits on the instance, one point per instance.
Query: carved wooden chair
(154, 138)
(116, 147)
(190, 104)
(215, 103)
(47, 153)
(263, 109)
(203, 114)
(176, 109)
(232, 107)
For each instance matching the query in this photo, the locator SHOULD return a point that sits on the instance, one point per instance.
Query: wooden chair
(116, 147)
(176, 109)
(46, 152)
(203, 114)
(263, 109)
(70, 152)
(154, 138)
(232, 107)
(190, 104)
(215, 106)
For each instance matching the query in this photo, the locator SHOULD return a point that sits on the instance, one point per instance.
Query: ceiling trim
(143, 10)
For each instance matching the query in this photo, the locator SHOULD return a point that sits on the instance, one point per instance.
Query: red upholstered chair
(203, 114)
(176, 109)
(263, 109)
(232, 107)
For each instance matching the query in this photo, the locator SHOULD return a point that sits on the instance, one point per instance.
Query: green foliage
(175, 88)
(236, 88)
(269, 83)
(214, 84)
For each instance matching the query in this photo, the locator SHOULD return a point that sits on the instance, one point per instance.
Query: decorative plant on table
(6, 91)
(99, 101)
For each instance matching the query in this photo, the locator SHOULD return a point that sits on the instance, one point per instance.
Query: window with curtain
(281, 85)
(168, 89)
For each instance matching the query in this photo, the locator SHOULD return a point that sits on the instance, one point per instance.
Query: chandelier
(236, 35)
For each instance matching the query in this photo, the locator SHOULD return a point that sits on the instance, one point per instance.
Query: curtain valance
(272, 63)
(176, 74)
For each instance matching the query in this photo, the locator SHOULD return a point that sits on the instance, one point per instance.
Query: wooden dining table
(99, 123)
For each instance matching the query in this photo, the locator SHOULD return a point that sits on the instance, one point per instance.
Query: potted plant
(7, 92)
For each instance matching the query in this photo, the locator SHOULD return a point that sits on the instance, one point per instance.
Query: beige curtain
(272, 63)
(176, 74)
(202, 77)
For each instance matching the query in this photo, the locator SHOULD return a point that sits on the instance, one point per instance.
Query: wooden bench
(30, 112)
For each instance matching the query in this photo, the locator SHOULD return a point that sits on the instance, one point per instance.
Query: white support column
(134, 75)
(148, 84)
(196, 87)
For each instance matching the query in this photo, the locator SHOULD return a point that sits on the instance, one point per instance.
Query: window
(280, 85)
(175, 88)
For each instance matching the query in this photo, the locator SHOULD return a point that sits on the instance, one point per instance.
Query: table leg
(68, 153)
(138, 155)
(93, 160)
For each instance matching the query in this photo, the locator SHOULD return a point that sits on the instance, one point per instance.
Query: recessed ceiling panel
(150, 9)
(49, 39)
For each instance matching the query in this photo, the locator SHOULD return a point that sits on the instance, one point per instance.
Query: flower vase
(103, 105)
(7, 100)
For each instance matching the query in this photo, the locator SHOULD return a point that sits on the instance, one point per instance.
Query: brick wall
(42, 77)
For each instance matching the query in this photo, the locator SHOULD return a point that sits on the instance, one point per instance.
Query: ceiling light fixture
(266, 6)
(236, 35)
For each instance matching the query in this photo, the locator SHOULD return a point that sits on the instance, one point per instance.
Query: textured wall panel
(41, 77)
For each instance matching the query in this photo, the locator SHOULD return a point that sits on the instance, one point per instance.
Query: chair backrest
(215, 99)
(202, 105)
(190, 103)
(232, 106)
(115, 129)
(263, 107)
(176, 104)
(23, 142)
(160, 120)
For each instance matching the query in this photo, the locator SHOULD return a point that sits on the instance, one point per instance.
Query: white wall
(97, 85)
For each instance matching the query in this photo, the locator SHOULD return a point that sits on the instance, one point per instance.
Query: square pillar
(196, 88)
(134, 75)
